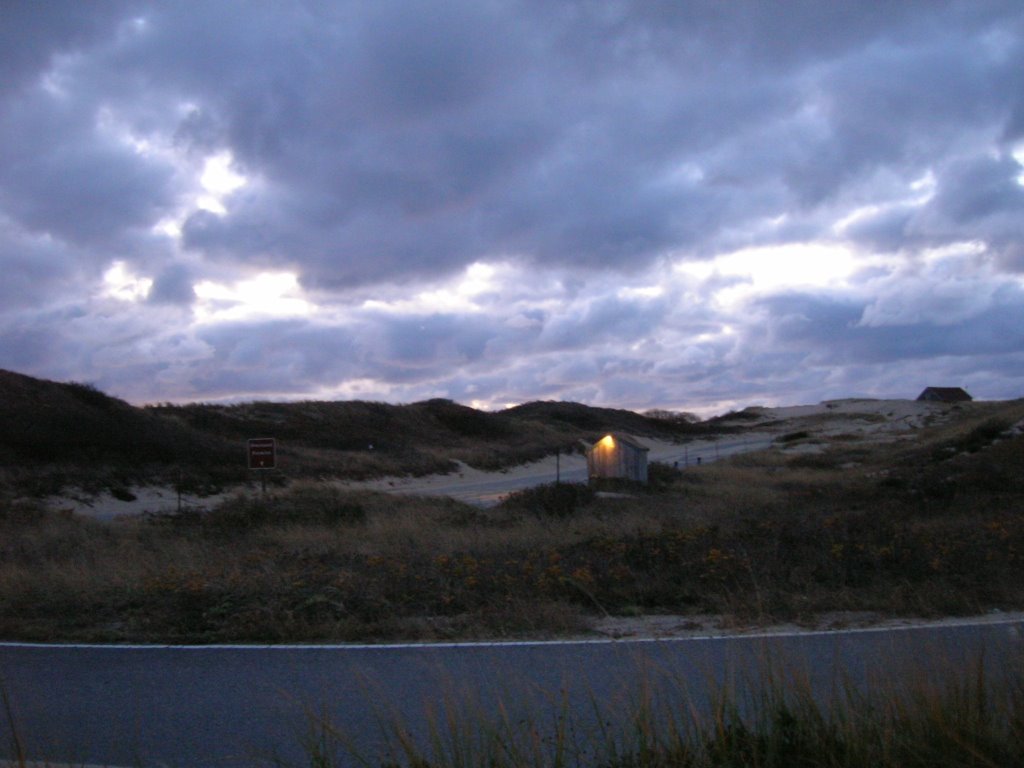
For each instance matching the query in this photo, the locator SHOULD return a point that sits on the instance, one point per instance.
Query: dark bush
(343, 512)
(465, 421)
(981, 436)
(661, 475)
(121, 493)
(89, 394)
(242, 513)
(552, 500)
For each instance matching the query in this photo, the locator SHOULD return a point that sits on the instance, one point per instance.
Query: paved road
(235, 706)
(490, 488)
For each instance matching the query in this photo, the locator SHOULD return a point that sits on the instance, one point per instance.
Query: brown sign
(262, 453)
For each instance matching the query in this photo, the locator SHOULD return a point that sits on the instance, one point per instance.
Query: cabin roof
(945, 394)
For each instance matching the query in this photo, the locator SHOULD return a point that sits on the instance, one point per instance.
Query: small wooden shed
(617, 455)
(944, 395)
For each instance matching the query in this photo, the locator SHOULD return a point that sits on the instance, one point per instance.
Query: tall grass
(916, 531)
(971, 715)
(763, 538)
(969, 718)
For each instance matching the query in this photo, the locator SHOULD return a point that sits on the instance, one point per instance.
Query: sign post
(262, 456)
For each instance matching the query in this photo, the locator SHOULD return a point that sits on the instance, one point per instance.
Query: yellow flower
(583, 575)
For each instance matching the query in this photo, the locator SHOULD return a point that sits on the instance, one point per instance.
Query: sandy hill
(57, 438)
(68, 423)
(365, 439)
(87, 432)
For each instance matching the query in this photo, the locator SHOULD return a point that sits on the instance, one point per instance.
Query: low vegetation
(923, 528)
(970, 718)
(929, 526)
(58, 436)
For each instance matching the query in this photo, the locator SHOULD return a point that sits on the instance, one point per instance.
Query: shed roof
(945, 394)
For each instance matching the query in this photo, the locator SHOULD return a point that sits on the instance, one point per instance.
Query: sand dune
(760, 428)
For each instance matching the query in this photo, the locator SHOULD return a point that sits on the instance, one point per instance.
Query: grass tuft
(761, 538)
(970, 718)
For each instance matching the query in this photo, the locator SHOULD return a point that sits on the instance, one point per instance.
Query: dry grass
(779, 717)
(924, 528)
(780, 722)
(363, 439)
(62, 436)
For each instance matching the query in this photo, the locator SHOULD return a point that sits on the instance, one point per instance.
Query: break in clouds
(695, 205)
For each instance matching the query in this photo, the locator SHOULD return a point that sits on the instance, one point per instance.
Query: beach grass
(968, 717)
(910, 530)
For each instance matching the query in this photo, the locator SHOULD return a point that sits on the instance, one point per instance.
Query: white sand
(148, 500)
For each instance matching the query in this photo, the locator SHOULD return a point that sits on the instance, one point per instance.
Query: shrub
(552, 500)
(981, 436)
(305, 505)
(661, 475)
(121, 493)
(89, 394)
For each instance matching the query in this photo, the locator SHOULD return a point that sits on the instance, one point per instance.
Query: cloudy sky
(692, 205)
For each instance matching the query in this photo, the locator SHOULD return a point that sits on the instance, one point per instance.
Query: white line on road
(1017, 620)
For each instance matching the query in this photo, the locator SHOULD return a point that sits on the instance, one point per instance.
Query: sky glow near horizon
(685, 205)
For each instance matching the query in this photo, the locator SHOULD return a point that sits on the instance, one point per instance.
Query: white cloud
(734, 278)
(218, 180)
(458, 294)
(945, 286)
(120, 283)
(267, 295)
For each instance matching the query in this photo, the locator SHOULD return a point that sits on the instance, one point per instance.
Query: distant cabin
(944, 395)
(617, 456)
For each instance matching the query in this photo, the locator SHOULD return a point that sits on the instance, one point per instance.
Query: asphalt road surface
(491, 488)
(235, 706)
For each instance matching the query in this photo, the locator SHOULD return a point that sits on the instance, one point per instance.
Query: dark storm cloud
(272, 356)
(831, 333)
(33, 268)
(977, 197)
(79, 190)
(424, 347)
(26, 348)
(33, 33)
(586, 146)
(174, 285)
(408, 138)
(601, 320)
(984, 196)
